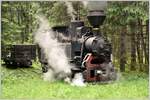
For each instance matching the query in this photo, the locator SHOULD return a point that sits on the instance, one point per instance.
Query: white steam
(55, 55)
(85, 3)
(70, 9)
(78, 80)
(62, 38)
(95, 5)
(49, 76)
(59, 67)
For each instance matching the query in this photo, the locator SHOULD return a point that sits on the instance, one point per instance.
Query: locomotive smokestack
(96, 18)
(96, 15)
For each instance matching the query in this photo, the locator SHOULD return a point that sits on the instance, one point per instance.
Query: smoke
(78, 80)
(119, 76)
(85, 3)
(58, 65)
(49, 76)
(95, 5)
(55, 55)
(70, 9)
(63, 38)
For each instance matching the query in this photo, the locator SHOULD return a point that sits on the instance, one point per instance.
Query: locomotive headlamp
(99, 72)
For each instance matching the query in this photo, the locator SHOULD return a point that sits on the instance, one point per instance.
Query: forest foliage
(126, 26)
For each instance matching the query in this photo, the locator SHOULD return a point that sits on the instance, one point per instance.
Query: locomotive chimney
(96, 18)
(96, 15)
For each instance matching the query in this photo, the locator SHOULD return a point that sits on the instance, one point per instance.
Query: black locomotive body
(19, 55)
(87, 49)
(91, 53)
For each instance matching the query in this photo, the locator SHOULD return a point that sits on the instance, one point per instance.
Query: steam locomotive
(86, 49)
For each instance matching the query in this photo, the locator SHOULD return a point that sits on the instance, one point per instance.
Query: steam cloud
(59, 67)
(85, 3)
(95, 5)
(55, 55)
(70, 9)
(78, 80)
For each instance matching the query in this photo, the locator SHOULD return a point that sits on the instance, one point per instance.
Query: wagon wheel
(29, 63)
(7, 62)
(44, 68)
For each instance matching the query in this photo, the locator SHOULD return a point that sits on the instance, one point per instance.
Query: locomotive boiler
(87, 49)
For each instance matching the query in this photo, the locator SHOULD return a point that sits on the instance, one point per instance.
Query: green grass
(28, 83)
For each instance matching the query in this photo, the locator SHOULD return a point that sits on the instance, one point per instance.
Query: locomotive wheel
(14, 63)
(44, 68)
(29, 63)
(7, 62)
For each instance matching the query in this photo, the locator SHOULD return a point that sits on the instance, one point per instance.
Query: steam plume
(95, 5)
(85, 3)
(55, 55)
(78, 80)
(70, 9)
(59, 68)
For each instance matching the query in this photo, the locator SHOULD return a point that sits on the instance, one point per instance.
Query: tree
(121, 14)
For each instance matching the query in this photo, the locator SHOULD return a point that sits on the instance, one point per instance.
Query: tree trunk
(147, 45)
(144, 47)
(147, 41)
(122, 48)
(139, 46)
(22, 22)
(133, 46)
